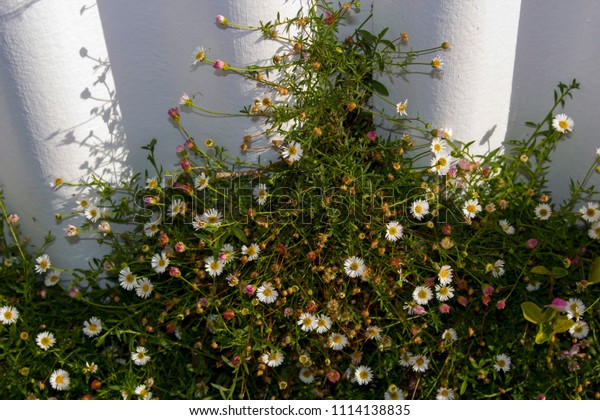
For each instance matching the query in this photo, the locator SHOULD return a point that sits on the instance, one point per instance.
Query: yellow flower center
(364, 375)
(422, 294)
(591, 212)
(214, 265)
(418, 209)
(392, 231)
(292, 150)
(93, 327)
(354, 266)
(8, 315)
(563, 124)
(59, 379)
(337, 339)
(267, 292)
(471, 208)
(45, 341)
(442, 161)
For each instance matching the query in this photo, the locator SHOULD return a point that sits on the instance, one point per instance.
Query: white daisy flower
(437, 146)
(201, 181)
(9, 315)
(443, 293)
(580, 329)
(92, 213)
(52, 278)
(45, 340)
(60, 379)
(212, 217)
(449, 335)
(354, 266)
(144, 287)
(292, 152)
(498, 269)
(307, 321)
(306, 375)
(393, 231)
(140, 356)
(594, 230)
(90, 367)
(272, 358)
(143, 392)
(393, 395)
(260, 193)
(419, 363)
(471, 208)
(92, 327)
(213, 266)
(445, 275)
(419, 208)
(401, 107)
(440, 163)
(160, 262)
(127, 279)
(151, 228)
(543, 211)
(198, 55)
(177, 207)
(444, 393)
(562, 123)
(152, 183)
(83, 203)
(43, 264)
(590, 212)
(337, 341)
(252, 251)
(267, 293)
(422, 295)
(227, 254)
(506, 227)
(502, 363)
(437, 63)
(363, 375)
(323, 324)
(406, 358)
(575, 308)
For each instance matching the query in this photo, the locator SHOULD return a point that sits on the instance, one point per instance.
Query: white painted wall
(58, 119)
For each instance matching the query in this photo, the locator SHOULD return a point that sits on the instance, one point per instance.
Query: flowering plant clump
(373, 256)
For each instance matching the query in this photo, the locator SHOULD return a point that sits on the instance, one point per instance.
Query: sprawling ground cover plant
(373, 256)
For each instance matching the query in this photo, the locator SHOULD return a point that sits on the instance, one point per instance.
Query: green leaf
(544, 334)
(562, 324)
(559, 272)
(380, 88)
(532, 312)
(594, 276)
(540, 269)
(463, 387)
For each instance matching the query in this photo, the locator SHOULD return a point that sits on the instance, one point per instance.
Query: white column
(472, 96)
(58, 114)
(151, 44)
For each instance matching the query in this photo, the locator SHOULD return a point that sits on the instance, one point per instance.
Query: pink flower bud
(228, 315)
(532, 243)
(13, 218)
(174, 272)
(186, 165)
(462, 301)
(500, 304)
(333, 376)
(180, 247)
(250, 289)
(220, 65)
(372, 135)
(221, 20)
(174, 113)
(444, 308)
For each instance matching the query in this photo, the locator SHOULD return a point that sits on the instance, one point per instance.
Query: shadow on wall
(107, 150)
